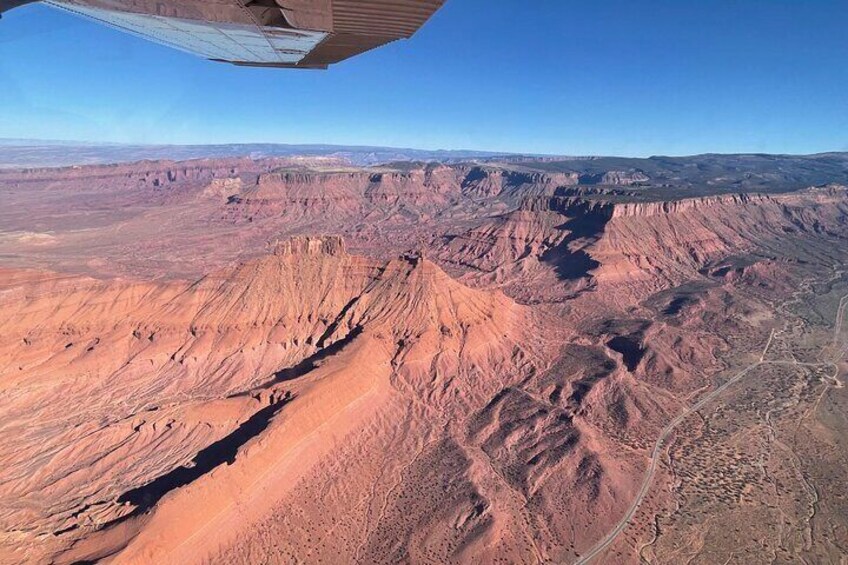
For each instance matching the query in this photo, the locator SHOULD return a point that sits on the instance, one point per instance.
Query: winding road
(652, 467)
(604, 543)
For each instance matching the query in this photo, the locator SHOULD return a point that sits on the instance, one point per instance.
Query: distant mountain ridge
(18, 153)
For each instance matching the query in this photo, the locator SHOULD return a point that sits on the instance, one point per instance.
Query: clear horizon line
(487, 152)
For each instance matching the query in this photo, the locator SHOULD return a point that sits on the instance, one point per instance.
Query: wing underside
(277, 33)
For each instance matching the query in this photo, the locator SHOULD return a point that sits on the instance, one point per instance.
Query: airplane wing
(267, 33)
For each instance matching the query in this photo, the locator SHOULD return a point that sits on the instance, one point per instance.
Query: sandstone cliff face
(155, 358)
(640, 247)
(175, 367)
(501, 242)
(654, 245)
(343, 397)
(646, 209)
(491, 181)
(156, 174)
(223, 188)
(297, 195)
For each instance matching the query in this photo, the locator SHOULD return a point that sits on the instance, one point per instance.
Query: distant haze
(15, 153)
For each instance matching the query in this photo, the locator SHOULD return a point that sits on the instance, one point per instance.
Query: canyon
(300, 359)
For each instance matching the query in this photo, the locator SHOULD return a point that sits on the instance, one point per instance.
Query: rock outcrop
(474, 366)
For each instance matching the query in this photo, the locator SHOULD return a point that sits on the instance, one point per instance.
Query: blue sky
(547, 76)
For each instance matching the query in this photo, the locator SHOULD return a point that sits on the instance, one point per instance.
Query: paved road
(655, 457)
(666, 431)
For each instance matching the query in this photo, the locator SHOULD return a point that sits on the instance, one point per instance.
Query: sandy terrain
(293, 360)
